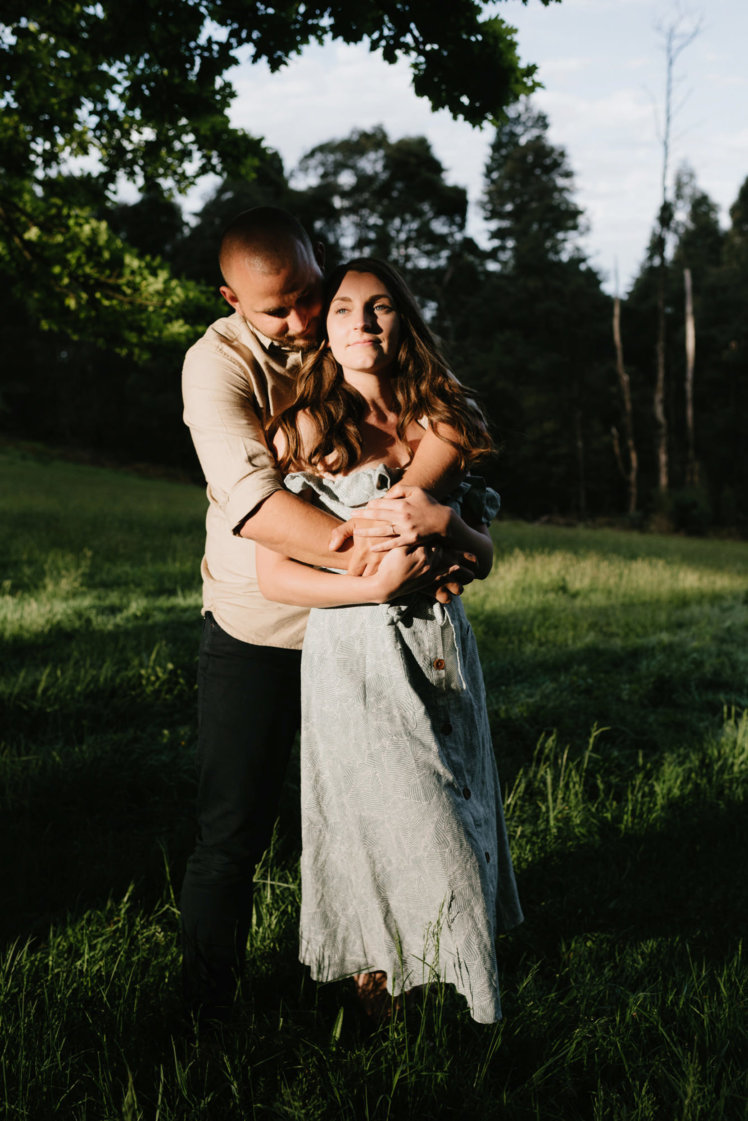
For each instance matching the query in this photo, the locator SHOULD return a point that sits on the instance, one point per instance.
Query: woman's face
(363, 326)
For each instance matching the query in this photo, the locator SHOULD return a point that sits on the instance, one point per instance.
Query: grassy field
(616, 672)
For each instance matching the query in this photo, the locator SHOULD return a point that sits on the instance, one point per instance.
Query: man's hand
(454, 571)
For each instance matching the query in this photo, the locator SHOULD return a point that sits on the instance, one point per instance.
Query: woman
(406, 873)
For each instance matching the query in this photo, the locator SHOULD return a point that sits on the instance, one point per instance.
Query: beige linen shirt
(233, 379)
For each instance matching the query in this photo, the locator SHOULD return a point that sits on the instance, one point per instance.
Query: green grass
(616, 667)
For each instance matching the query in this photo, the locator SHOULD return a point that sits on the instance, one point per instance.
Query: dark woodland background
(101, 298)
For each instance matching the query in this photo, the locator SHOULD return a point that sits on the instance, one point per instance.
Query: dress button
(466, 792)
(488, 858)
(446, 728)
(438, 663)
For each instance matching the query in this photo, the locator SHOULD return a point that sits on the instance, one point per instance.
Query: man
(238, 374)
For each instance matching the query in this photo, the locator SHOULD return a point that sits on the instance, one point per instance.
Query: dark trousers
(248, 715)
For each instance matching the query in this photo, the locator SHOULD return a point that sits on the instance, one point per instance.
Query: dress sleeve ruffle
(475, 498)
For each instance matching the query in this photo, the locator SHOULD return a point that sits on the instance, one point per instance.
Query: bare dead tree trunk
(631, 474)
(660, 416)
(692, 471)
(664, 221)
(675, 42)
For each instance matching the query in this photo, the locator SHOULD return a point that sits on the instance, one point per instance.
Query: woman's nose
(366, 320)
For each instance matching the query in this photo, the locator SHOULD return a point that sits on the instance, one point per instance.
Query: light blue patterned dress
(405, 862)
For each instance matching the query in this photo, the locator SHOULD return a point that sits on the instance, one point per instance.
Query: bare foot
(373, 998)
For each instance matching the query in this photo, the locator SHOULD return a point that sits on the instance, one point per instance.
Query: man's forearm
(287, 524)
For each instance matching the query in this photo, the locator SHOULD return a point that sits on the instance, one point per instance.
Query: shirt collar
(286, 356)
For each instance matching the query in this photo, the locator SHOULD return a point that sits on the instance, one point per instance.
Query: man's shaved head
(272, 275)
(263, 237)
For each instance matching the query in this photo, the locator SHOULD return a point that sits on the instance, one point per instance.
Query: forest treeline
(566, 373)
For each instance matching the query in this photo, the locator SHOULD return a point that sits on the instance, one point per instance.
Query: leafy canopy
(141, 84)
(139, 89)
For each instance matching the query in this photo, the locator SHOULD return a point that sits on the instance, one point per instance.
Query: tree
(196, 254)
(541, 319)
(154, 224)
(143, 86)
(387, 199)
(528, 198)
(675, 40)
(696, 254)
(704, 396)
(721, 389)
(102, 331)
(630, 468)
(140, 87)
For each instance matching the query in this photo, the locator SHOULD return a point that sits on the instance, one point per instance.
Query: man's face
(286, 304)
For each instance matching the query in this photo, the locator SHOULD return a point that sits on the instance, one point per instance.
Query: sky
(602, 66)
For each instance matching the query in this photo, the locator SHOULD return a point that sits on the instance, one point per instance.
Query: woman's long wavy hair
(422, 384)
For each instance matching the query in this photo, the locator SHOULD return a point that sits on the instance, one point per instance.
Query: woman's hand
(402, 571)
(411, 514)
(363, 559)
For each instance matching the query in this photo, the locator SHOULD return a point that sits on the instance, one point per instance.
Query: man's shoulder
(229, 333)
(228, 347)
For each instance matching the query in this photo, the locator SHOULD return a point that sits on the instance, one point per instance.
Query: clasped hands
(404, 538)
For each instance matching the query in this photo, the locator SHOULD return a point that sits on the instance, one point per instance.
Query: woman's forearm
(284, 580)
(436, 464)
(287, 581)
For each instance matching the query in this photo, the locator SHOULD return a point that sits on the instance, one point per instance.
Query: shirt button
(488, 858)
(446, 728)
(466, 792)
(438, 663)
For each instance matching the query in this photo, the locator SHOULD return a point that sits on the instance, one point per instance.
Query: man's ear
(230, 296)
(319, 254)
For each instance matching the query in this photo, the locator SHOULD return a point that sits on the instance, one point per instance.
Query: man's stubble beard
(302, 346)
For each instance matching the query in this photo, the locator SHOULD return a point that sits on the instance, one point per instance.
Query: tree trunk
(632, 472)
(663, 474)
(675, 41)
(692, 472)
(581, 480)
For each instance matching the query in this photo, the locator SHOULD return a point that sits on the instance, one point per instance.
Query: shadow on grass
(656, 690)
(117, 810)
(683, 879)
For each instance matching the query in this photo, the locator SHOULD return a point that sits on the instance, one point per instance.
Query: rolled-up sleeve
(223, 415)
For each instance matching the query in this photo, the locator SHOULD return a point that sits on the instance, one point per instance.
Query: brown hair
(422, 384)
